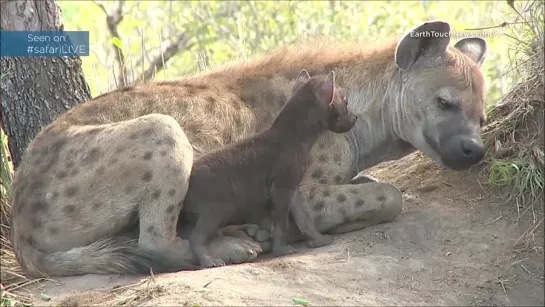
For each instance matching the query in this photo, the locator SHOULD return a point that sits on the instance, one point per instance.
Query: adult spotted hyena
(99, 190)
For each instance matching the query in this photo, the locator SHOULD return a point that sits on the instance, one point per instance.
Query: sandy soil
(451, 245)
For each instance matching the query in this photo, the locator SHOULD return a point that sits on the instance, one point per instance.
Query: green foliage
(300, 301)
(514, 137)
(232, 29)
(10, 302)
(8, 299)
(521, 182)
(6, 173)
(117, 42)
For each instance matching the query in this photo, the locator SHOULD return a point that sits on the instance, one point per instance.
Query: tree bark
(35, 90)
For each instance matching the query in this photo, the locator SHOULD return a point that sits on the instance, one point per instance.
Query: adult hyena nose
(472, 149)
(462, 151)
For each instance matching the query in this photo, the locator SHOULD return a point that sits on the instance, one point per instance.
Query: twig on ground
(519, 261)
(495, 220)
(527, 271)
(529, 232)
(502, 283)
(347, 257)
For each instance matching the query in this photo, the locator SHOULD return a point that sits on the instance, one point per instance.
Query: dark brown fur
(265, 169)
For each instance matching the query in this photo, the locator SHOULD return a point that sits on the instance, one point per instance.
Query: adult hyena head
(442, 98)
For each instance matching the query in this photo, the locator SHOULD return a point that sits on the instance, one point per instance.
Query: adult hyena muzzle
(459, 145)
(462, 151)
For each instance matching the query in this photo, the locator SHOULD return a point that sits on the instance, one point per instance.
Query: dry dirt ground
(451, 245)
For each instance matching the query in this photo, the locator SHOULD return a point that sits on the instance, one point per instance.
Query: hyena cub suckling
(242, 181)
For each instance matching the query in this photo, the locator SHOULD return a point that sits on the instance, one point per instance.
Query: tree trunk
(35, 90)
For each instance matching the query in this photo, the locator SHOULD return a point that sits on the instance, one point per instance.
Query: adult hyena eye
(444, 104)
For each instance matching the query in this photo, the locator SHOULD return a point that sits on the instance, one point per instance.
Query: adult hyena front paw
(233, 250)
(250, 232)
(208, 261)
(320, 241)
(361, 178)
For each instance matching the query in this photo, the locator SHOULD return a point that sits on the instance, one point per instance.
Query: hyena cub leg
(281, 198)
(233, 244)
(305, 223)
(201, 235)
(163, 182)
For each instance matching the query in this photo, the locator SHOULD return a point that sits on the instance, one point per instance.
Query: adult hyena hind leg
(158, 182)
(345, 208)
(155, 174)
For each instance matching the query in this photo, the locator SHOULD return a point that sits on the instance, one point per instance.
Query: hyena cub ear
(302, 78)
(326, 91)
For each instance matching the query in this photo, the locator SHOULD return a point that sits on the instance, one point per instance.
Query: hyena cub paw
(320, 241)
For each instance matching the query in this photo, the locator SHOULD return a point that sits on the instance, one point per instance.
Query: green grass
(519, 182)
(6, 173)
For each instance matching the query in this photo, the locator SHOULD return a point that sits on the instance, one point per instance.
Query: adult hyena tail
(109, 256)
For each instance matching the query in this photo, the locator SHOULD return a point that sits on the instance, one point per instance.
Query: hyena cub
(242, 181)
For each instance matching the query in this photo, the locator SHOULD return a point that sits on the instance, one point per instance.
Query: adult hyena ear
(424, 46)
(327, 89)
(302, 78)
(473, 47)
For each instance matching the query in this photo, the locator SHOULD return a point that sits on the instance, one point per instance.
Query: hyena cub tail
(119, 255)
